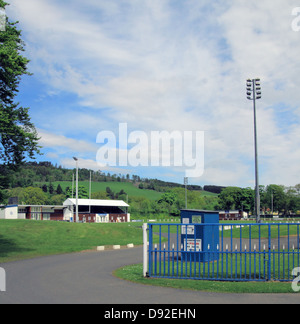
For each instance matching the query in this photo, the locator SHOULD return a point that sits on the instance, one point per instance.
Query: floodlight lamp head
(75, 158)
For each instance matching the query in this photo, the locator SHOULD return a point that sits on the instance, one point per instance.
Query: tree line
(273, 199)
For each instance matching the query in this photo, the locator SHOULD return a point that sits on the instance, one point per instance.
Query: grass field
(129, 188)
(133, 273)
(21, 239)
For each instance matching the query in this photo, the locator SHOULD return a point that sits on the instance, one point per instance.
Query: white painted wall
(10, 212)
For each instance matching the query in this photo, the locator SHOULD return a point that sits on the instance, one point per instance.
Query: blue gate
(241, 252)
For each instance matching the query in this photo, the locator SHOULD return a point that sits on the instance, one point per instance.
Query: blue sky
(165, 65)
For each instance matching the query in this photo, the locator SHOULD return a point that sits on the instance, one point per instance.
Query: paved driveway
(81, 278)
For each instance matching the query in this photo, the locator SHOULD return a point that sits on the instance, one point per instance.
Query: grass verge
(134, 273)
(23, 239)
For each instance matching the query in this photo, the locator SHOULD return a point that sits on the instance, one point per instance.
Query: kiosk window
(196, 219)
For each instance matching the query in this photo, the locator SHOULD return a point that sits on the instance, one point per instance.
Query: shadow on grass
(9, 246)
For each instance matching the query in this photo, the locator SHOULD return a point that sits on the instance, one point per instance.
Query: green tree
(297, 188)
(58, 199)
(34, 196)
(18, 136)
(59, 190)
(110, 193)
(51, 189)
(230, 197)
(99, 195)
(69, 192)
(236, 198)
(82, 192)
(292, 201)
(167, 204)
(247, 199)
(140, 206)
(275, 198)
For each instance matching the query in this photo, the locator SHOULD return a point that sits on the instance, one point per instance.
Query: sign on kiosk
(190, 245)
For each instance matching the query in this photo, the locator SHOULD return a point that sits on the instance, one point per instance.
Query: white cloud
(172, 65)
(50, 140)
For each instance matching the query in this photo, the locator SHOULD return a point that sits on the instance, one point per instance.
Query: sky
(108, 75)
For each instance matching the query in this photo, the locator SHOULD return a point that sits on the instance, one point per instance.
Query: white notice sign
(189, 245)
(188, 229)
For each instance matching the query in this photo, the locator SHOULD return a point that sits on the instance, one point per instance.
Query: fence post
(145, 249)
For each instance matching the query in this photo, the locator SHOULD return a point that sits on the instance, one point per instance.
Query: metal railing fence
(241, 252)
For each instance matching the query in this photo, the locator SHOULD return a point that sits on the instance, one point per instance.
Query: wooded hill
(44, 183)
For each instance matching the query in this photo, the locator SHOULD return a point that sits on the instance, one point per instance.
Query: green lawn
(133, 273)
(261, 231)
(21, 239)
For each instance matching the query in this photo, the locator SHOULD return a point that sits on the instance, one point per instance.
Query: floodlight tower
(186, 181)
(76, 218)
(254, 93)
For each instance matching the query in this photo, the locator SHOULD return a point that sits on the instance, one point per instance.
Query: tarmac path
(86, 278)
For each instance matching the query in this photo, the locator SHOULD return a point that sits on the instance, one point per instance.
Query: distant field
(208, 194)
(129, 188)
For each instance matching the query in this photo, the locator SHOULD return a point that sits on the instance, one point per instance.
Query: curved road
(86, 278)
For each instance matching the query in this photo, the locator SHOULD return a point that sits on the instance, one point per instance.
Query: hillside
(44, 172)
(129, 188)
(45, 184)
